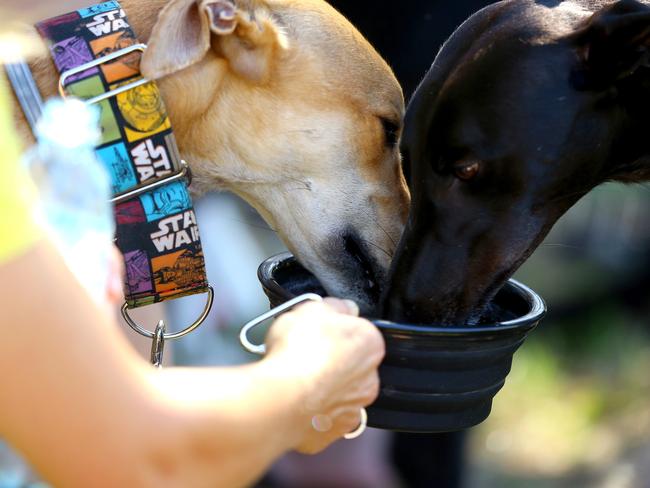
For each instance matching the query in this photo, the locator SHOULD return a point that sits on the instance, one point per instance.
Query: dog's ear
(248, 38)
(613, 44)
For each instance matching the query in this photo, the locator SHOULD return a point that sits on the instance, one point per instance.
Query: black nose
(357, 251)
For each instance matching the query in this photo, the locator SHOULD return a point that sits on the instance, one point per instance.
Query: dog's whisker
(304, 185)
(566, 196)
(564, 246)
(376, 246)
(644, 186)
(381, 227)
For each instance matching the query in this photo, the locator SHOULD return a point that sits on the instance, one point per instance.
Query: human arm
(87, 411)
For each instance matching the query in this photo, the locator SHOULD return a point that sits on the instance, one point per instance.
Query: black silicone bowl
(433, 379)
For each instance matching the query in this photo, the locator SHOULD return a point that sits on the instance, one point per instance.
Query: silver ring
(363, 423)
(177, 335)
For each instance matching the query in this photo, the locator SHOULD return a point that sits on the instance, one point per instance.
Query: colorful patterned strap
(156, 231)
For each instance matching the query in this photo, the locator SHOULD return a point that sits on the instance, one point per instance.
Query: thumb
(347, 307)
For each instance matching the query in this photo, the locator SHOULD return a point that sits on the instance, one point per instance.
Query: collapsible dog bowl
(433, 379)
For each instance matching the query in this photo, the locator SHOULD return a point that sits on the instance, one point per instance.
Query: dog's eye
(467, 171)
(391, 131)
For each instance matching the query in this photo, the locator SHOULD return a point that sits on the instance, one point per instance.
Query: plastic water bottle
(74, 189)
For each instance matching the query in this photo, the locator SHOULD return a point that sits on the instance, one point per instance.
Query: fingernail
(322, 423)
(353, 308)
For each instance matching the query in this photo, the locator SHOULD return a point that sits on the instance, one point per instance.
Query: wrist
(285, 381)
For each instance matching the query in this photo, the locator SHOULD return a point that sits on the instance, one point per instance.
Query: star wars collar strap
(98, 56)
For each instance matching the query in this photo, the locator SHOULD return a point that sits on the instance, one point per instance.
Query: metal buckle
(182, 173)
(97, 62)
(176, 335)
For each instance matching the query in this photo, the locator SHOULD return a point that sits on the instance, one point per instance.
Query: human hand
(333, 356)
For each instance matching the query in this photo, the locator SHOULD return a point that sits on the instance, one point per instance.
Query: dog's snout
(356, 250)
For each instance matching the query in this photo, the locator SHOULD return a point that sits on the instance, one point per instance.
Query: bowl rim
(536, 304)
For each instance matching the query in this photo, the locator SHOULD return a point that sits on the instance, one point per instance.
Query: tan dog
(284, 103)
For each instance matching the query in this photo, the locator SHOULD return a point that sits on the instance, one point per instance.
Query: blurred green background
(575, 411)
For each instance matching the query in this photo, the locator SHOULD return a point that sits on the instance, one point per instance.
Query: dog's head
(285, 104)
(526, 108)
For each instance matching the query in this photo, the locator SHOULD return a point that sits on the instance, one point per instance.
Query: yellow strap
(18, 231)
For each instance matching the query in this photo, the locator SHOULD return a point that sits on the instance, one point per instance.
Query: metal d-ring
(176, 335)
(261, 348)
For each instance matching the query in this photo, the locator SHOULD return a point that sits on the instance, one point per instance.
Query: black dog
(527, 107)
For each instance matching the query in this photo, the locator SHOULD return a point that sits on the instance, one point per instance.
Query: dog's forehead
(516, 52)
(499, 99)
(503, 93)
(535, 22)
(556, 20)
(340, 55)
